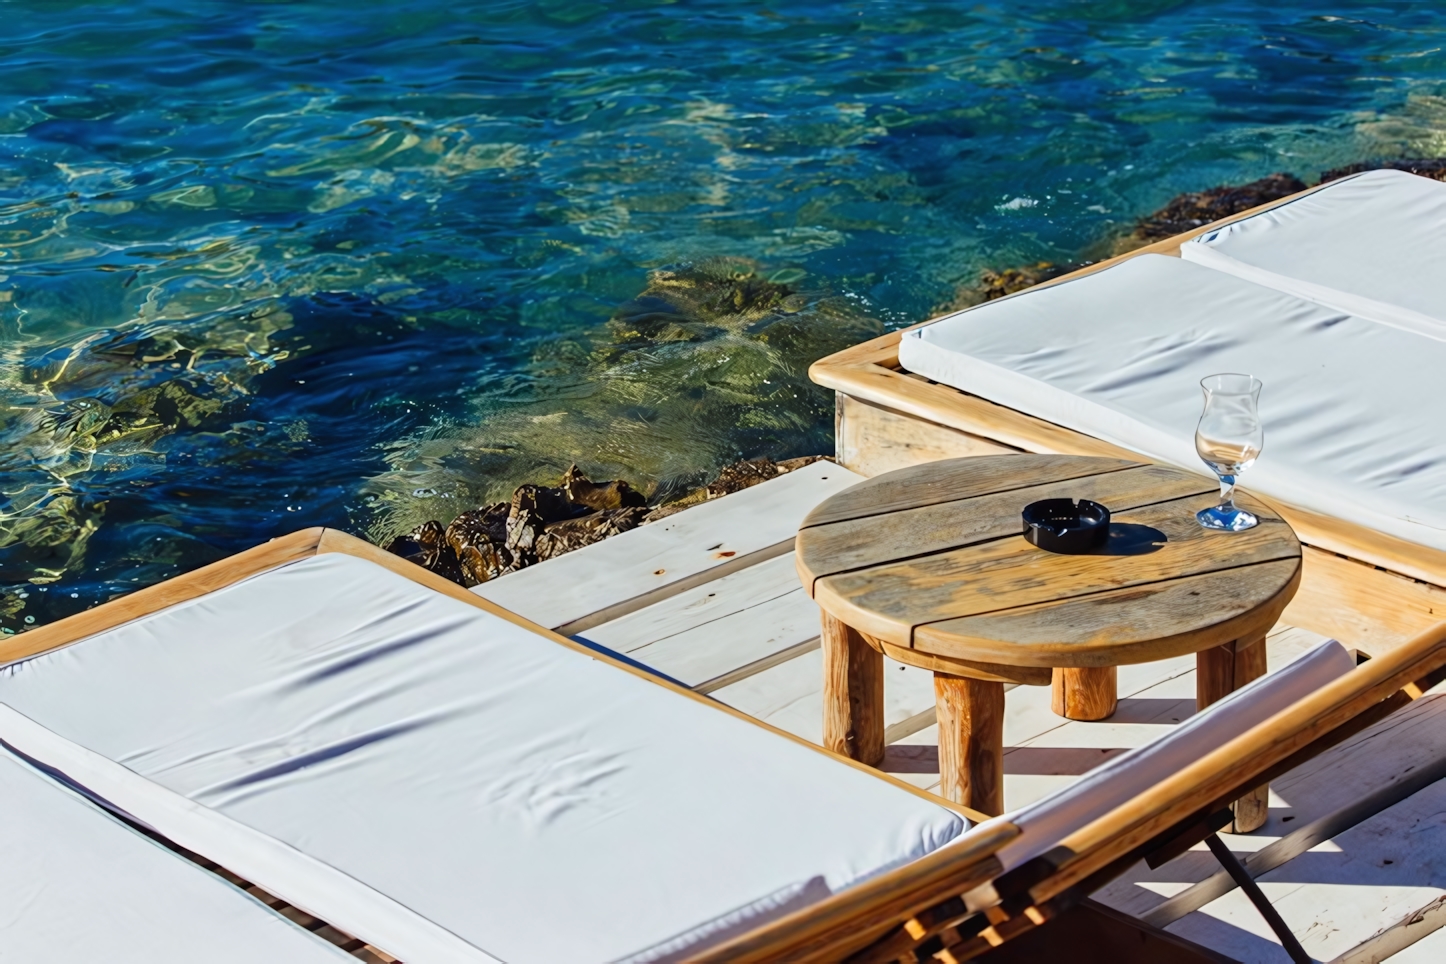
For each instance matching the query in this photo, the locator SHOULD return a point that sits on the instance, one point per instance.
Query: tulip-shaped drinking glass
(1229, 439)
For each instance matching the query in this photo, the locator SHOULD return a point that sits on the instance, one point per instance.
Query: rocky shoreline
(541, 522)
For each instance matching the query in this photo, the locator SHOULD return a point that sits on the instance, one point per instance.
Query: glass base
(1228, 518)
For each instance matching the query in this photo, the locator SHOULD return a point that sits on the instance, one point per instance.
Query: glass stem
(1227, 493)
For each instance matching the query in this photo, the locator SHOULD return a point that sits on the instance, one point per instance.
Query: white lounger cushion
(78, 885)
(1353, 409)
(532, 801)
(1046, 822)
(1371, 245)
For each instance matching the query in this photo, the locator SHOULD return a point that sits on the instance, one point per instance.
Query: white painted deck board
(790, 696)
(701, 605)
(723, 645)
(1337, 897)
(662, 553)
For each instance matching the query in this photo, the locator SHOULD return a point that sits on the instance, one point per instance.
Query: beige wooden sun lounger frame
(955, 904)
(1363, 587)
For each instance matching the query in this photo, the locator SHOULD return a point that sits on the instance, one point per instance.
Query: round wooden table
(928, 565)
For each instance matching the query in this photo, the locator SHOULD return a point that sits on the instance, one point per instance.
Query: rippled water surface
(271, 265)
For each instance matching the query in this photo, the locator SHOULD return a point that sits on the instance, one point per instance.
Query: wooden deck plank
(672, 554)
(700, 605)
(745, 636)
(790, 696)
(1356, 891)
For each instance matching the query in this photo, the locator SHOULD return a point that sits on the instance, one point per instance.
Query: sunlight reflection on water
(268, 266)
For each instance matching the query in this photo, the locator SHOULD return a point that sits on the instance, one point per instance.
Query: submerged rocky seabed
(264, 268)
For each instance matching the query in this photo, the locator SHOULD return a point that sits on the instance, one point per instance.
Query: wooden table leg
(853, 693)
(1218, 673)
(1085, 693)
(971, 741)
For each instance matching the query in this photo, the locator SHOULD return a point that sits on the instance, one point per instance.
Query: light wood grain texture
(1221, 671)
(973, 668)
(713, 631)
(833, 547)
(790, 695)
(846, 921)
(871, 440)
(1215, 607)
(1361, 605)
(971, 741)
(1395, 780)
(952, 480)
(1371, 893)
(890, 600)
(1355, 892)
(657, 557)
(1086, 693)
(853, 693)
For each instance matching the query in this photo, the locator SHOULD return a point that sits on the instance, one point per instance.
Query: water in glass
(1229, 438)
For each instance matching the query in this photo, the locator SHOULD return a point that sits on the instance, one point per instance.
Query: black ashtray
(1062, 525)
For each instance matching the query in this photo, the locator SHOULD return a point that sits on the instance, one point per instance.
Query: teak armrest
(830, 929)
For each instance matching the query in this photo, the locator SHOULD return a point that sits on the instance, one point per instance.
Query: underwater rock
(1434, 168)
(1187, 212)
(742, 475)
(426, 547)
(537, 523)
(708, 360)
(616, 494)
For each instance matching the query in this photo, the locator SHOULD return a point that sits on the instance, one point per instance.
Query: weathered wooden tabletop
(931, 559)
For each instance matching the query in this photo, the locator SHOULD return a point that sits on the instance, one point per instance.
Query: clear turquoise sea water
(271, 265)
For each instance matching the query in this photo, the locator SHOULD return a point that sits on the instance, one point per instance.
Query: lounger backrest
(1044, 824)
